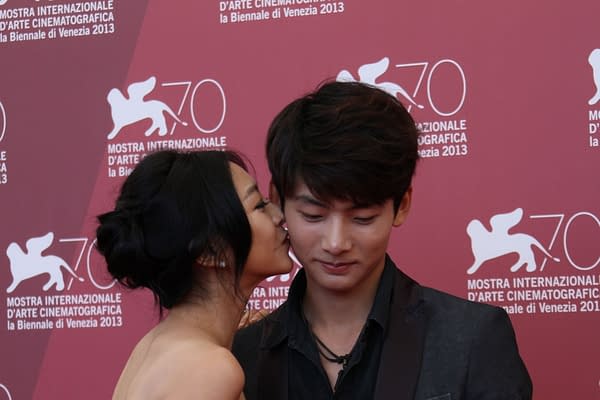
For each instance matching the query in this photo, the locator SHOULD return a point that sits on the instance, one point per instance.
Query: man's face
(341, 245)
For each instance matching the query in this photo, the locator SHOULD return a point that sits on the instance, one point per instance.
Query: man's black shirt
(307, 378)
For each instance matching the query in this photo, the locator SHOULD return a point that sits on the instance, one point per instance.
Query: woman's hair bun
(120, 241)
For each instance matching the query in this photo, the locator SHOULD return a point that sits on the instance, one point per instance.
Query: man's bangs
(345, 188)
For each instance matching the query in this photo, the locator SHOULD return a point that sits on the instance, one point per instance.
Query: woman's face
(270, 243)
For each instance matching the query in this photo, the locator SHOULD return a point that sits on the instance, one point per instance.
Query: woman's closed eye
(261, 204)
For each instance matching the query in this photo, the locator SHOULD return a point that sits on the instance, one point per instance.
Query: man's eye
(311, 217)
(261, 204)
(364, 220)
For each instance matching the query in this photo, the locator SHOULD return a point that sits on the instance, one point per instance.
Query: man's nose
(335, 238)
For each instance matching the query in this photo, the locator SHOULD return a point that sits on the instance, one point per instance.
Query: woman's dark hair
(345, 140)
(173, 209)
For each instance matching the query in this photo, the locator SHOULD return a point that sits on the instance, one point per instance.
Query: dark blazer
(437, 347)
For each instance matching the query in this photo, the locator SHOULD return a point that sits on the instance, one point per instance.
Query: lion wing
(138, 90)
(503, 222)
(36, 245)
(369, 73)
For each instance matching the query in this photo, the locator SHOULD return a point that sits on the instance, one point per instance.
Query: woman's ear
(403, 208)
(212, 257)
(210, 262)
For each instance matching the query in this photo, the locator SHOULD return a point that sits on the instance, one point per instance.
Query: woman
(195, 230)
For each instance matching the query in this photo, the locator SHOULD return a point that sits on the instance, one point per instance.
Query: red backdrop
(504, 93)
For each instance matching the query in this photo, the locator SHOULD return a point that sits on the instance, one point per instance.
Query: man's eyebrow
(363, 205)
(251, 190)
(307, 199)
(303, 198)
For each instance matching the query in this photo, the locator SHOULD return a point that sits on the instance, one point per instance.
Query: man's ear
(274, 195)
(403, 208)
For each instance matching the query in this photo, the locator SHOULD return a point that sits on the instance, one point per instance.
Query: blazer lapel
(403, 347)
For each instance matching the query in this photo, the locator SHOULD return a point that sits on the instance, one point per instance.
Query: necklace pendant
(345, 361)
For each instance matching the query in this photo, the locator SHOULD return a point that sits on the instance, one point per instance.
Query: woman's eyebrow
(251, 190)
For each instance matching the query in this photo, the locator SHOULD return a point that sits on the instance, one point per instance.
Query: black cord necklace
(325, 351)
(331, 356)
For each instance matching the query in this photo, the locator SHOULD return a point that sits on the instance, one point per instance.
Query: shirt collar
(287, 317)
(380, 310)
(288, 321)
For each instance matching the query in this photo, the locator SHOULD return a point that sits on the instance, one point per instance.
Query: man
(354, 326)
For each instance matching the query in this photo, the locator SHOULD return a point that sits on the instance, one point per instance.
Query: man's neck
(335, 310)
(336, 320)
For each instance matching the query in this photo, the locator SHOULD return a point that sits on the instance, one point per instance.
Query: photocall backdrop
(506, 197)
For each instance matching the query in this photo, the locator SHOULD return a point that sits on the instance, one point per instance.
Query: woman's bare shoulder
(208, 373)
(183, 369)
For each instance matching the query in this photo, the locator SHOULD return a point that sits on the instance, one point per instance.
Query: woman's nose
(276, 214)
